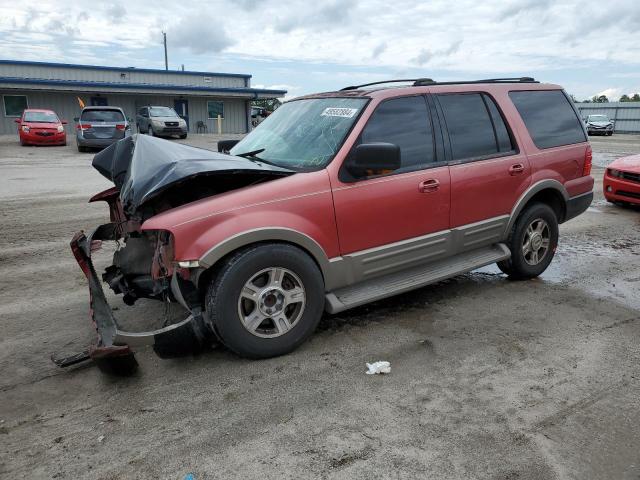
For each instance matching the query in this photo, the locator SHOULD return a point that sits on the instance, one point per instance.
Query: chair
(201, 126)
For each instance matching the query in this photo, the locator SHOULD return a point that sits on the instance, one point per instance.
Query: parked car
(41, 127)
(161, 122)
(334, 201)
(621, 182)
(599, 125)
(99, 127)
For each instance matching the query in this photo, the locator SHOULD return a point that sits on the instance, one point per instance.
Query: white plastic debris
(100, 438)
(378, 367)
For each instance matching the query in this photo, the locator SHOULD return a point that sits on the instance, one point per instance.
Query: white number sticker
(339, 112)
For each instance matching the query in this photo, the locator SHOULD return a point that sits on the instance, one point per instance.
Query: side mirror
(369, 159)
(75, 119)
(17, 120)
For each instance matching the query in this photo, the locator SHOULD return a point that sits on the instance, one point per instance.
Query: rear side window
(102, 116)
(404, 122)
(476, 127)
(549, 117)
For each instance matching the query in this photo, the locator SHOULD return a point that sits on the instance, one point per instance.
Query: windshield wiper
(253, 156)
(252, 153)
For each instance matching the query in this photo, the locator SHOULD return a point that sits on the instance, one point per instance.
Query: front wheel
(183, 136)
(266, 300)
(532, 241)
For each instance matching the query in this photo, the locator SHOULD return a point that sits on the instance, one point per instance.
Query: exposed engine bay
(151, 176)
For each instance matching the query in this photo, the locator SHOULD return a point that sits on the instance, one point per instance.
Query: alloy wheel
(271, 302)
(537, 239)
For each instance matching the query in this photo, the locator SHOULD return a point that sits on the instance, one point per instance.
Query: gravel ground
(490, 378)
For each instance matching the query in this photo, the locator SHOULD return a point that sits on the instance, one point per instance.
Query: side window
(404, 122)
(502, 134)
(473, 132)
(549, 117)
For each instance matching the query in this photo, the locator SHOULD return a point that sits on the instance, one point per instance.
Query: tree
(574, 99)
(636, 97)
(270, 104)
(625, 98)
(600, 99)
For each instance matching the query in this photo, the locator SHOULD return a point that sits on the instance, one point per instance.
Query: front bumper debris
(112, 351)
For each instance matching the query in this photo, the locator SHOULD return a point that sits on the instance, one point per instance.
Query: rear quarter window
(549, 117)
(102, 116)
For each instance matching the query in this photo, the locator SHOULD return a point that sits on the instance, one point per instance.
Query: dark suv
(336, 200)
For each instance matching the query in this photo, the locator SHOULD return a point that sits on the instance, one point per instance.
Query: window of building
(14, 105)
(215, 108)
(404, 122)
(474, 131)
(549, 117)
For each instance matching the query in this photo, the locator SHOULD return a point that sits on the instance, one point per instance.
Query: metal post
(219, 124)
(166, 60)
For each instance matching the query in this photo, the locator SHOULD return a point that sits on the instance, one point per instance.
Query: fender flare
(271, 234)
(547, 184)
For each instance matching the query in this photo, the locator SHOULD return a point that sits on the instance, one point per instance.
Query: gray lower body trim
(412, 278)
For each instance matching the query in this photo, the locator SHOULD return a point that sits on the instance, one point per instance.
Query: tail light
(120, 126)
(83, 126)
(588, 158)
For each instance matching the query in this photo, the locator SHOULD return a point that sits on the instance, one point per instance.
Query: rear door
(102, 124)
(374, 213)
(488, 170)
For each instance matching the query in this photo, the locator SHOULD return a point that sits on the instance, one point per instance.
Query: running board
(416, 277)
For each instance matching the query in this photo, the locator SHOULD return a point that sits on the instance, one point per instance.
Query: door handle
(516, 169)
(429, 186)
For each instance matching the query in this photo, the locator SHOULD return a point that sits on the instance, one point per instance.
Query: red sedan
(622, 180)
(41, 127)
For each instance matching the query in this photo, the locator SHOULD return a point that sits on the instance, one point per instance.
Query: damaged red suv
(335, 200)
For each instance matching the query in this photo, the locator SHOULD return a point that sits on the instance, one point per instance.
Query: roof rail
(420, 82)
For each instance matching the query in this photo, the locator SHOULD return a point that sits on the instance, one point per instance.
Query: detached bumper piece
(112, 351)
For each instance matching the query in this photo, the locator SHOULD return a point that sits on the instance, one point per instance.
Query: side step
(416, 277)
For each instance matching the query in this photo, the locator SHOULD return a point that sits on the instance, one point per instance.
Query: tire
(82, 149)
(183, 136)
(538, 223)
(150, 130)
(229, 306)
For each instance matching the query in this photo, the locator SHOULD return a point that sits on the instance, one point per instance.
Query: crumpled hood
(142, 167)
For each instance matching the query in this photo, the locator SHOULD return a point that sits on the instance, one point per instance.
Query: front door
(181, 106)
(382, 212)
(488, 172)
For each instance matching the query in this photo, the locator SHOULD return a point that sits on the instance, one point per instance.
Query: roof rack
(420, 82)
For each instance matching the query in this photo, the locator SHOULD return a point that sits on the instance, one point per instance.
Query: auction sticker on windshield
(339, 112)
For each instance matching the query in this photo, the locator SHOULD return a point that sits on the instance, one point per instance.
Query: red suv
(336, 200)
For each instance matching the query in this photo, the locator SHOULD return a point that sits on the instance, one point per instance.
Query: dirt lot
(490, 378)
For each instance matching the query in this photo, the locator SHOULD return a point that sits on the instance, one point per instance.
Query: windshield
(162, 112)
(303, 134)
(102, 116)
(42, 117)
(598, 118)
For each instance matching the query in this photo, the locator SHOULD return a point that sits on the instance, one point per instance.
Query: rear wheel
(532, 241)
(266, 300)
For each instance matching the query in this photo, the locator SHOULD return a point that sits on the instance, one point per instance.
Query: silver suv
(161, 122)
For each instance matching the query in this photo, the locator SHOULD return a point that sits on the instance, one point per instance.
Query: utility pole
(166, 61)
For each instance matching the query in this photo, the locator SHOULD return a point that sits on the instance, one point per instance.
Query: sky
(589, 47)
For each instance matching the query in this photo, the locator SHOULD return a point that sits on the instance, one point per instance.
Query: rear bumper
(619, 190)
(96, 142)
(577, 205)
(113, 347)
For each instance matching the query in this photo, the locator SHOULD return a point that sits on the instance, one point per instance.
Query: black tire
(518, 267)
(150, 131)
(223, 295)
(183, 136)
(82, 149)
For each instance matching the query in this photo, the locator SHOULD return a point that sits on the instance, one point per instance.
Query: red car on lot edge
(41, 127)
(336, 200)
(621, 182)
